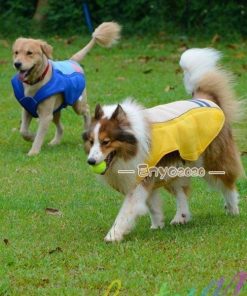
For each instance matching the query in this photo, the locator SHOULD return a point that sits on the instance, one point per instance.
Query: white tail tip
(195, 63)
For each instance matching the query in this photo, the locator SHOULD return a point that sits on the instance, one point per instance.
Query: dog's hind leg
(155, 206)
(59, 129)
(231, 200)
(81, 107)
(134, 205)
(180, 189)
(223, 163)
(228, 189)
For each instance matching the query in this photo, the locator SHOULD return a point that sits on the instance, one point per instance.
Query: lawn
(44, 254)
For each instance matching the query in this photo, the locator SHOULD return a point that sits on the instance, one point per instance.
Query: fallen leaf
(174, 58)
(232, 46)
(33, 171)
(58, 249)
(44, 282)
(56, 37)
(70, 40)
(239, 55)
(147, 71)
(178, 70)
(128, 61)
(3, 62)
(6, 241)
(182, 48)
(162, 59)
(144, 59)
(169, 88)
(120, 78)
(54, 212)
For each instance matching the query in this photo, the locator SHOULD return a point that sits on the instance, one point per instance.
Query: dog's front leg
(24, 129)
(134, 205)
(45, 112)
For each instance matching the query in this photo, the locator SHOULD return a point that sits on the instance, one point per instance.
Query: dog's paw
(181, 218)
(113, 236)
(232, 210)
(29, 137)
(54, 142)
(33, 152)
(157, 226)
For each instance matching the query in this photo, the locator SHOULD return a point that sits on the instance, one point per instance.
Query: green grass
(66, 255)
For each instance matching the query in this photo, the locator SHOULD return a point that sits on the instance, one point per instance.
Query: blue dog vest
(67, 78)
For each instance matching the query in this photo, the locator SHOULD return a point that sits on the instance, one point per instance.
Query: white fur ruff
(140, 128)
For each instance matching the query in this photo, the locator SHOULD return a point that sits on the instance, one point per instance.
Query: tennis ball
(99, 168)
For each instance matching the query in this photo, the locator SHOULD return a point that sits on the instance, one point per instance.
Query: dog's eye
(105, 142)
(29, 52)
(91, 142)
(16, 52)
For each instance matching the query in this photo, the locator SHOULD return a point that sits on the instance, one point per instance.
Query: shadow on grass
(200, 225)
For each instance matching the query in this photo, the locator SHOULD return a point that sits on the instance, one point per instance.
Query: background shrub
(188, 17)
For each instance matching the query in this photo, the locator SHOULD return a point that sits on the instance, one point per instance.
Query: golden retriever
(31, 58)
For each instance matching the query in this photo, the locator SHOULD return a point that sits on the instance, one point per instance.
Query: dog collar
(40, 78)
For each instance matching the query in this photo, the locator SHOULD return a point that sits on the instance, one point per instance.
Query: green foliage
(184, 16)
(64, 17)
(15, 16)
(136, 16)
(188, 17)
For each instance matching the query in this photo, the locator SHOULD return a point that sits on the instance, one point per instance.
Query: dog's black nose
(91, 161)
(17, 65)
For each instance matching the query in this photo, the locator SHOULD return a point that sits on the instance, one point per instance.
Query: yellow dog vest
(187, 126)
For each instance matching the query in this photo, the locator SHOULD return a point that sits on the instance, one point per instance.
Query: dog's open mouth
(109, 160)
(24, 73)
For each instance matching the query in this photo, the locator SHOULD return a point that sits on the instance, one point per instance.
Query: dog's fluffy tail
(105, 35)
(203, 76)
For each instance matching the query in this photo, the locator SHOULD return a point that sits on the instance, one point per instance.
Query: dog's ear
(127, 137)
(119, 113)
(84, 136)
(46, 48)
(98, 112)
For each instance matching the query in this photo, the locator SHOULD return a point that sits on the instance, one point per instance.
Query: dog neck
(40, 78)
(34, 84)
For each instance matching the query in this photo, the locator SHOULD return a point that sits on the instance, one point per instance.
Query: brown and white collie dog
(121, 135)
